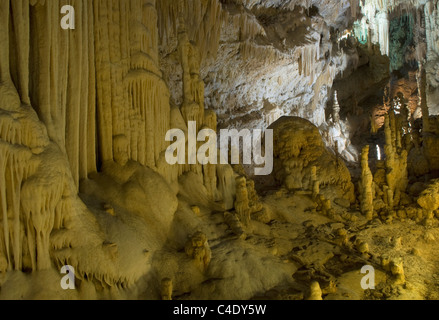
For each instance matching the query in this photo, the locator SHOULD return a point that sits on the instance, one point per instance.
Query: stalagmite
(366, 185)
(422, 91)
(166, 288)
(362, 247)
(315, 189)
(383, 32)
(197, 248)
(308, 56)
(336, 109)
(226, 185)
(71, 78)
(298, 146)
(109, 209)
(429, 198)
(397, 269)
(242, 202)
(235, 225)
(209, 170)
(196, 210)
(313, 176)
(315, 292)
(258, 211)
(255, 204)
(396, 164)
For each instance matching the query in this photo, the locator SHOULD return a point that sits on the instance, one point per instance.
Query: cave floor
(299, 247)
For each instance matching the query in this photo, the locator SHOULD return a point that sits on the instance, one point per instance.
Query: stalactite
(103, 76)
(40, 215)
(150, 115)
(336, 109)
(267, 54)
(377, 13)
(21, 23)
(148, 95)
(73, 111)
(390, 158)
(5, 76)
(209, 170)
(64, 93)
(309, 55)
(17, 128)
(15, 168)
(354, 4)
(63, 85)
(91, 156)
(204, 20)
(247, 25)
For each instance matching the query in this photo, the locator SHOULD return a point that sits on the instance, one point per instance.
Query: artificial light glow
(397, 106)
(346, 34)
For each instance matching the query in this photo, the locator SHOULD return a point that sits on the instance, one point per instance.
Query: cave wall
(93, 83)
(76, 106)
(259, 60)
(431, 22)
(68, 99)
(72, 101)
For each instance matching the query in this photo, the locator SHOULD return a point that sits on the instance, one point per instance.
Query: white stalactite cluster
(378, 11)
(309, 55)
(383, 32)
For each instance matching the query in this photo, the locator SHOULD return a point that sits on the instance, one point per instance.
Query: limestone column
(336, 109)
(4, 40)
(366, 184)
(422, 87)
(20, 21)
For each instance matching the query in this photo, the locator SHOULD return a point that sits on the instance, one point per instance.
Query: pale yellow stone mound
(298, 146)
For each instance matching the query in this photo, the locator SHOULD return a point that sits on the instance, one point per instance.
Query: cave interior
(106, 106)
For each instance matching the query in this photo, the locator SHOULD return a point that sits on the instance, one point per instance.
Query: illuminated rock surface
(349, 88)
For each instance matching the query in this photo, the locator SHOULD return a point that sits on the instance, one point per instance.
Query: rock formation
(166, 289)
(242, 206)
(366, 185)
(197, 248)
(85, 116)
(299, 150)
